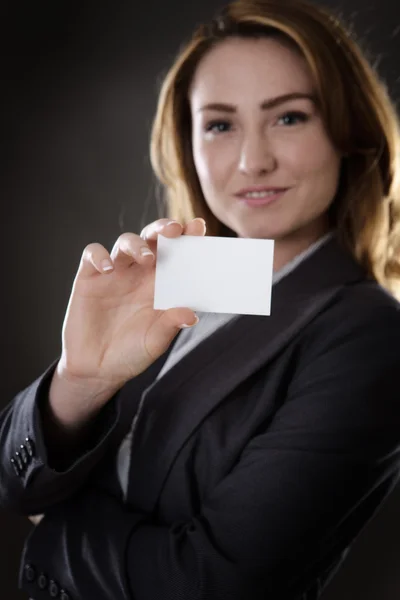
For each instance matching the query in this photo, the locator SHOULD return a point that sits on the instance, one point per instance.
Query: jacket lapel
(177, 403)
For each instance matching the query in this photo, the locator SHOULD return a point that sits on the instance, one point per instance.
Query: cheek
(312, 160)
(202, 162)
(212, 161)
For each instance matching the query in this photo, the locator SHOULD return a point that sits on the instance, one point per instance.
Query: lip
(261, 201)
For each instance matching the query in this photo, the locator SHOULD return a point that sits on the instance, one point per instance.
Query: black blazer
(257, 458)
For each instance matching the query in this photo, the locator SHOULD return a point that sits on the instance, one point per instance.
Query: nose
(256, 156)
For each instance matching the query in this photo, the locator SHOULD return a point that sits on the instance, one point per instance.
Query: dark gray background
(79, 90)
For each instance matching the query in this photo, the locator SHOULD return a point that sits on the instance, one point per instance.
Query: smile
(261, 198)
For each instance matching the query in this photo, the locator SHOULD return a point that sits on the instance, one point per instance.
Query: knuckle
(148, 231)
(154, 227)
(124, 242)
(91, 249)
(125, 237)
(128, 242)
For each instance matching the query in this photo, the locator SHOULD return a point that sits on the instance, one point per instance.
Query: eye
(217, 126)
(293, 117)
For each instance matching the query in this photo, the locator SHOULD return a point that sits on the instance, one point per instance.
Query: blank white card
(214, 274)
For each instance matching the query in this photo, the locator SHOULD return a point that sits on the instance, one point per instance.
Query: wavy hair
(356, 109)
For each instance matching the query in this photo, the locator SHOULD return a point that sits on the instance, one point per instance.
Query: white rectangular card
(214, 274)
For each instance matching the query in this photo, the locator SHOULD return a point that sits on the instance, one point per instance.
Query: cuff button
(15, 467)
(53, 589)
(19, 461)
(29, 573)
(30, 446)
(64, 595)
(24, 454)
(42, 581)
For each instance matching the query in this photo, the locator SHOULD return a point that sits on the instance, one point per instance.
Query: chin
(260, 232)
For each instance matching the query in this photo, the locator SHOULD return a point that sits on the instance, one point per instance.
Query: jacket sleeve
(303, 489)
(30, 480)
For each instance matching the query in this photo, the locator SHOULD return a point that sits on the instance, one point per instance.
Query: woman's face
(248, 140)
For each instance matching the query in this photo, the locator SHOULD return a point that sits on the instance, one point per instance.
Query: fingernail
(107, 265)
(146, 252)
(192, 325)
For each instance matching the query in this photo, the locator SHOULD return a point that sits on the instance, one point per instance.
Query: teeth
(259, 194)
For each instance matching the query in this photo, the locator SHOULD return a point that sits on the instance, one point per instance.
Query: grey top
(188, 339)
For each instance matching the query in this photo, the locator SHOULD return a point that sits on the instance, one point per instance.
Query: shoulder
(360, 303)
(363, 316)
(368, 294)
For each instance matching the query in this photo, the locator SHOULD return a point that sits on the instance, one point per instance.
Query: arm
(52, 463)
(301, 492)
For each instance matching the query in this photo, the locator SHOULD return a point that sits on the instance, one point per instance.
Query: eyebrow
(266, 105)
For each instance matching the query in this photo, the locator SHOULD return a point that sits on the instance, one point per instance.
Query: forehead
(240, 67)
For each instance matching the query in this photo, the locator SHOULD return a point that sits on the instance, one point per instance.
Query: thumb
(178, 318)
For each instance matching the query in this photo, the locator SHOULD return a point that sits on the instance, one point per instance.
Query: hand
(111, 333)
(36, 519)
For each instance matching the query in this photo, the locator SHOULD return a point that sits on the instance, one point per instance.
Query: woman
(240, 458)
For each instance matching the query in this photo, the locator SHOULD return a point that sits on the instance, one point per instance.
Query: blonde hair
(358, 114)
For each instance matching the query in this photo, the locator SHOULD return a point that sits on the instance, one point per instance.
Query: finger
(95, 259)
(195, 227)
(166, 227)
(170, 228)
(129, 249)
